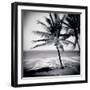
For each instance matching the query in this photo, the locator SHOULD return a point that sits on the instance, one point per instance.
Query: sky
(29, 24)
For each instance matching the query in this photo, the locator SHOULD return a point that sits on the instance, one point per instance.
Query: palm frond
(65, 35)
(67, 29)
(55, 16)
(39, 22)
(47, 28)
(67, 42)
(40, 40)
(69, 20)
(73, 20)
(68, 25)
(62, 19)
(43, 34)
(38, 45)
(43, 44)
(48, 21)
(51, 18)
(70, 42)
(57, 19)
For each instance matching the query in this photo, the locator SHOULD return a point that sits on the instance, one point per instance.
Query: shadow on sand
(47, 71)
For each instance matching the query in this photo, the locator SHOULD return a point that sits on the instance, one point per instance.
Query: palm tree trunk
(59, 57)
(78, 45)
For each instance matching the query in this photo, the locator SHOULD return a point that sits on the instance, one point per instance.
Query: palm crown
(53, 34)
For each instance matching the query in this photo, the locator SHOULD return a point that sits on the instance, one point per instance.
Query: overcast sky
(30, 24)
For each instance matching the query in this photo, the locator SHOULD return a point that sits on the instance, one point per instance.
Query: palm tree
(53, 34)
(73, 24)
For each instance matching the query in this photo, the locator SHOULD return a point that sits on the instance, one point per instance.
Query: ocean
(44, 54)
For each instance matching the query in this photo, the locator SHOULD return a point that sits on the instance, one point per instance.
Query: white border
(52, 78)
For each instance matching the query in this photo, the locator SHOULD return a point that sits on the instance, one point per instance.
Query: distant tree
(53, 34)
(73, 23)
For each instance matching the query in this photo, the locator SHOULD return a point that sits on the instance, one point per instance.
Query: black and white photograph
(49, 44)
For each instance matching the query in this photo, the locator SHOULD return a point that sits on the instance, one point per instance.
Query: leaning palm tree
(73, 24)
(53, 34)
